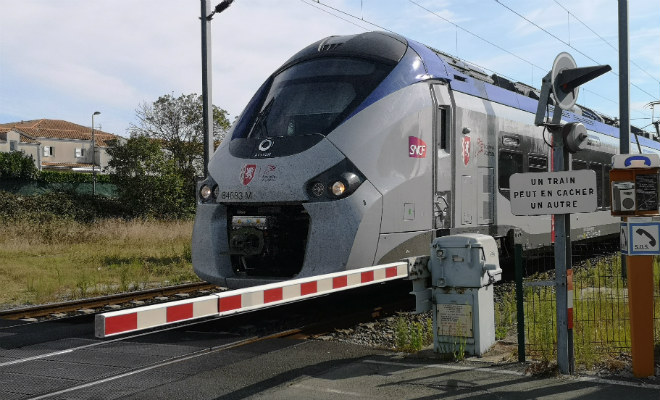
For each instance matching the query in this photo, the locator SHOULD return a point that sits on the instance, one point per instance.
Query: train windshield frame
(313, 97)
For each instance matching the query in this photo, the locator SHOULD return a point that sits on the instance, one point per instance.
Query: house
(58, 145)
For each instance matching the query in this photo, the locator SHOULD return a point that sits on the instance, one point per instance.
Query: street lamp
(206, 77)
(94, 155)
(222, 6)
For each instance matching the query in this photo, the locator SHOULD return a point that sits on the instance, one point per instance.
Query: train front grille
(267, 241)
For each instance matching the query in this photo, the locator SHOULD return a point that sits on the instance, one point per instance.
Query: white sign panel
(643, 238)
(544, 193)
(627, 161)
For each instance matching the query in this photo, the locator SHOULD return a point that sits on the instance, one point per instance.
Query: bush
(71, 177)
(148, 182)
(46, 207)
(17, 165)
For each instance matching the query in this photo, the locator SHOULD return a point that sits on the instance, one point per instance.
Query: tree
(148, 183)
(17, 165)
(178, 124)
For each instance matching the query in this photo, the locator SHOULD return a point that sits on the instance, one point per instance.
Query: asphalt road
(63, 360)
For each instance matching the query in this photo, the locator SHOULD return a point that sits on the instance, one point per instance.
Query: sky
(66, 59)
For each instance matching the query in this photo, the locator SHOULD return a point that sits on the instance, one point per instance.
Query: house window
(13, 145)
(80, 152)
(48, 151)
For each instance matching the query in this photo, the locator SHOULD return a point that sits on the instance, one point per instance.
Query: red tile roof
(23, 137)
(58, 129)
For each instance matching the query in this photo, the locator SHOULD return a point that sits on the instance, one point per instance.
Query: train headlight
(338, 188)
(317, 189)
(205, 192)
(338, 182)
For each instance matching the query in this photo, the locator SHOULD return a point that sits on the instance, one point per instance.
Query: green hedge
(43, 207)
(71, 177)
(31, 188)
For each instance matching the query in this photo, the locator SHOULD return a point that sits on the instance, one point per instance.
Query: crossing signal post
(634, 180)
(562, 84)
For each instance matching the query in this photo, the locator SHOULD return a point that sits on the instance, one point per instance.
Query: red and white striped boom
(243, 300)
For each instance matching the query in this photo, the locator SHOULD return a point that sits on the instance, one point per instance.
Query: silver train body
(361, 149)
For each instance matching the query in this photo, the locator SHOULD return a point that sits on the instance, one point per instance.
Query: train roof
(464, 71)
(461, 76)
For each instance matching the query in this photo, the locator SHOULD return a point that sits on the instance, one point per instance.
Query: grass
(59, 259)
(601, 319)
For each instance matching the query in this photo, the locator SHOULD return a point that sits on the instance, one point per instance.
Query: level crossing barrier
(243, 300)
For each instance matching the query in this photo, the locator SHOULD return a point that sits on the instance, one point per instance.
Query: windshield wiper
(260, 120)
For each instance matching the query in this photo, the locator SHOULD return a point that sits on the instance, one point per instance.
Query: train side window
(578, 164)
(537, 163)
(510, 163)
(443, 123)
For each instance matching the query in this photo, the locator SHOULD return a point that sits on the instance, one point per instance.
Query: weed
(59, 258)
(414, 335)
(601, 316)
(460, 343)
(505, 314)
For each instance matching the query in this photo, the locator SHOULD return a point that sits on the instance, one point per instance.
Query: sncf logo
(416, 147)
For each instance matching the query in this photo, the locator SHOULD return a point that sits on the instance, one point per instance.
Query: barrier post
(640, 305)
(520, 294)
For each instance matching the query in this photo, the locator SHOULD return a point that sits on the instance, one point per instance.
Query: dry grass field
(60, 259)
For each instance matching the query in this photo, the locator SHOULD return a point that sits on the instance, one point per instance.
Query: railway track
(114, 301)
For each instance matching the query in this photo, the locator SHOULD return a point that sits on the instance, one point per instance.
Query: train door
(443, 177)
(474, 163)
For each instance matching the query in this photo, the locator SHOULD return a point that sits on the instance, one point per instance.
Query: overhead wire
(349, 15)
(564, 42)
(604, 40)
(311, 3)
(361, 18)
(502, 49)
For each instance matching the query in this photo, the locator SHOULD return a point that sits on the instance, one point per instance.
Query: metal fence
(600, 306)
(31, 188)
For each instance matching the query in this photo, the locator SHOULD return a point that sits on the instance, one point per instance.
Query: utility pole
(624, 97)
(94, 155)
(207, 101)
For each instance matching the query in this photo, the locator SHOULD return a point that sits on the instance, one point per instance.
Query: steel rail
(102, 301)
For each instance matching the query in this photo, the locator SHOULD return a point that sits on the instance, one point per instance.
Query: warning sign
(545, 193)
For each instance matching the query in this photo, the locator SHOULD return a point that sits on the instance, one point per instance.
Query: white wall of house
(13, 143)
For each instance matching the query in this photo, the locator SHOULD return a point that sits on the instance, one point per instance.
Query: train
(361, 149)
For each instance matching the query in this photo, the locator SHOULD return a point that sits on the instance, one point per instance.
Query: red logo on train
(466, 150)
(416, 147)
(247, 173)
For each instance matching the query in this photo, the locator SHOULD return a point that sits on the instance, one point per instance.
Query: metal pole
(206, 86)
(94, 155)
(624, 80)
(624, 97)
(519, 302)
(562, 243)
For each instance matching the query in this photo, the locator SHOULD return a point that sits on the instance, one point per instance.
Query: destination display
(545, 193)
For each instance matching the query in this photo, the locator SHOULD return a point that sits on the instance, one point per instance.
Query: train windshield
(313, 97)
